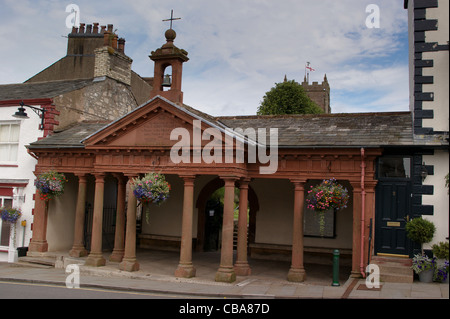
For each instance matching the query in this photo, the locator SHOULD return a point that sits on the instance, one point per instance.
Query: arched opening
(210, 211)
(167, 78)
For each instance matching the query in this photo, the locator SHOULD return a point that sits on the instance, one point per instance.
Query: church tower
(166, 57)
(319, 93)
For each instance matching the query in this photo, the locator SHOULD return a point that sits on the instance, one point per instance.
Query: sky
(238, 49)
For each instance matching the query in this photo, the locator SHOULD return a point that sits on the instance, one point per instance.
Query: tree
(288, 97)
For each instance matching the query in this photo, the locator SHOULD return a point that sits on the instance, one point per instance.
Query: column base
(129, 265)
(117, 256)
(95, 260)
(38, 246)
(242, 268)
(225, 275)
(185, 271)
(296, 275)
(78, 251)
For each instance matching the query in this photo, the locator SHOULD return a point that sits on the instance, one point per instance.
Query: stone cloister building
(101, 158)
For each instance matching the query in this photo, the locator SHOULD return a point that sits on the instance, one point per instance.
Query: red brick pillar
(241, 266)
(297, 271)
(185, 267)
(39, 243)
(95, 257)
(226, 270)
(78, 249)
(119, 239)
(129, 261)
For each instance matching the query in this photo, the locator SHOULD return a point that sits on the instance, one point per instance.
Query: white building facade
(429, 104)
(16, 176)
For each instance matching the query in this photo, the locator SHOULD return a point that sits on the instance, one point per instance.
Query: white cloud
(238, 49)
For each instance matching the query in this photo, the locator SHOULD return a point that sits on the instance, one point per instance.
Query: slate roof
(294, 131)
(70, 137)
(40, 90)
(333, 130)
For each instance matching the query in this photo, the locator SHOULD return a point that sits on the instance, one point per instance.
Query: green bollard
(336, 268)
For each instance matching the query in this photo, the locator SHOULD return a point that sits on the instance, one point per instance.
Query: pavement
(268, 279)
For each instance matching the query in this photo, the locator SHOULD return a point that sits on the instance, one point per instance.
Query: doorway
(393, 206)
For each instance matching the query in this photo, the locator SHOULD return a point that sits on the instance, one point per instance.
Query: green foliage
(288, 97)
(420, 230)
(440, 250)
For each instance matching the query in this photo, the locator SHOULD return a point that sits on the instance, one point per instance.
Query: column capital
(120, 177)
(99, 176)
(188, 178)
(298, 183)
(228, 179)
(244, 182)
(82, 177)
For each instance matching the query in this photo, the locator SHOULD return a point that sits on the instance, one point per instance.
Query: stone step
(37, 261)
(394, 269)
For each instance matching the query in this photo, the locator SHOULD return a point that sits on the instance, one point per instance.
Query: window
(5, 227)
(394, 167)
(9, 142)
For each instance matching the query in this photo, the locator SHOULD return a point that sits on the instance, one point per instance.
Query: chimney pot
(103, 29)
(110, 27)
(82, 27)
(74, 30)
(114, 42)
(122, 45)
(106, 37)
(95, 29)
(89, 28)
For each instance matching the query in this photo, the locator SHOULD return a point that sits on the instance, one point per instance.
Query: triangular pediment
(149, 126)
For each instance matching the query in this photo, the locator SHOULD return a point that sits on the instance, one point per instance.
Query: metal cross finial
(171, 19)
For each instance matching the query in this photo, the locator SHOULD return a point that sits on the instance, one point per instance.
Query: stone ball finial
(170, 35)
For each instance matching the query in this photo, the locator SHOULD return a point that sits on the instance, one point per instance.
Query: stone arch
(200, 204)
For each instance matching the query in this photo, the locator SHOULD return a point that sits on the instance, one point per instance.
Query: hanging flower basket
(10, 215)
(50, 185)
(152, 188)
(329, 195)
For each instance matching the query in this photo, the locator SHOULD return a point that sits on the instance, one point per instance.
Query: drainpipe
(363, 204)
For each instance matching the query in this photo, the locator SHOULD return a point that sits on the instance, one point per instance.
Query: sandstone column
(226, 271)
(129, 261)
(95, 257)
(119, 238)
(185, 268)
(242, 267)
(297, 271)
(78, 249)
(39, 243)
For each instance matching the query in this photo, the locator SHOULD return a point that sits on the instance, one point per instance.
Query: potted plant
(424, 266)
(440, 251)
(152, 188)
(441, 273)
(420, 230)
(326, 196)
(50, 185)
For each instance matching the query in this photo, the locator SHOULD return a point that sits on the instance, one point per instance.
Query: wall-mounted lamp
(21, 114)
(424, 172)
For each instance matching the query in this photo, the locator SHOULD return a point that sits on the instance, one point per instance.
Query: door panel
(393, 206)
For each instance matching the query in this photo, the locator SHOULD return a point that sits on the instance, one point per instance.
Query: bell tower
(168, 85)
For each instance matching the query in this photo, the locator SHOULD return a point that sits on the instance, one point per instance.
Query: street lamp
(21, 114)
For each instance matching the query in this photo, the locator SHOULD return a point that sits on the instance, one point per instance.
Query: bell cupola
(167, 83)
